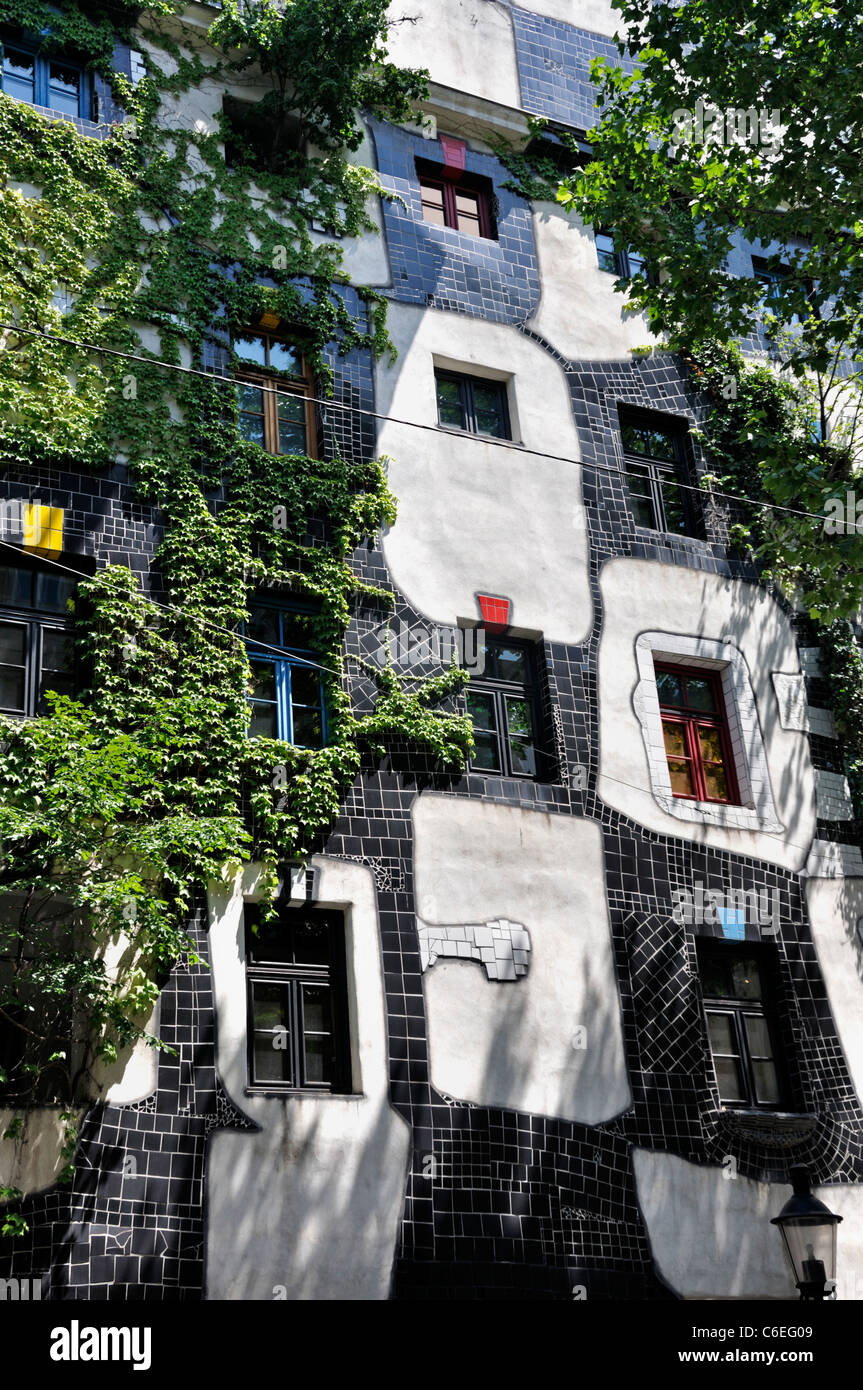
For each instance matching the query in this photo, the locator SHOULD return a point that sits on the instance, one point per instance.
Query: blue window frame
(59, 84)
(287, 697)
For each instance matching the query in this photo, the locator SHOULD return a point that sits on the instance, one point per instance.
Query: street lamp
(809, 1235)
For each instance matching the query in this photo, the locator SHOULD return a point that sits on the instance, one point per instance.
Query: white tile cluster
(830, 860)
(503, 947)
(832, 796)
(791, 698)
(758, 810)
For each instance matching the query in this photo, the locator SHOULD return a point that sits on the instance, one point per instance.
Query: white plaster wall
(475, 515)
(711, 1235)
(32, 1161)
(640, 596)
(835, 906)
(465, 44)
(579, 312)
(309, 1207)
(512, 1044)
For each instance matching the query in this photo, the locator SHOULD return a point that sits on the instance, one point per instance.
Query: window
(772, 278)
(261, 138)
(287, 694)
(738, 989)
(472, 403)
(695, 734)
(274, 391)
(621, 263)
(56, 83)
(298, 1015)
(502, 705)
(655, 463)
(36, 642)
(464, 204)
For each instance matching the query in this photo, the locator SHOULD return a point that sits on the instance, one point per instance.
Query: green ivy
(116, 807)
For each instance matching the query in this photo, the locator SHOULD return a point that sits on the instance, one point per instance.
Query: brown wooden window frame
(691, 720)
(275, 383)
(449, 188)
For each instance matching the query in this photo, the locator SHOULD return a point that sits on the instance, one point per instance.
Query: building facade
(559, 1026)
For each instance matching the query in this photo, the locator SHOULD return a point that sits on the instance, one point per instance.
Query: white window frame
(757, 810)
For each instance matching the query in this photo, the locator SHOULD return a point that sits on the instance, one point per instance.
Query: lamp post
(809, 1236)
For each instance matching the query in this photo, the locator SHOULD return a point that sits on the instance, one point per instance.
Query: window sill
(772, 1129)
(94, 130)
(475, 434)
(298, 1093)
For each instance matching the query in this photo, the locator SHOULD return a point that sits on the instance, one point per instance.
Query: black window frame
(284, 662)
(499, 691)
(657, 473)
(36, 621)
(434, 176)
(466, 383)
(266, 963)
(626, 262)
(32, 46)
(765, 1007)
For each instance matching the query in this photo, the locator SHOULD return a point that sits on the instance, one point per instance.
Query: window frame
(292, 977)
(500, 690)
(433, 176)
(738, 1009)
(626, 262)
(36, 621)
(676, 471)
(304, 658)
(30, 46)
(274, 383)
(692, 721)
(466, 382)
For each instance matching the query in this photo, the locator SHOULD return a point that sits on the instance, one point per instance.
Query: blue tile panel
(445, 269)
(554, 67)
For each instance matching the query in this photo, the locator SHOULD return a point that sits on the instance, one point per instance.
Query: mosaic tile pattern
(554, 67)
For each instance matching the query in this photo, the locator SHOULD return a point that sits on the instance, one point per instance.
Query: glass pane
(13, 644)
(715, 782)
(449, 404)
(292, 437)
(672, 505)
(486, 757)
(480, 707)
(523, 757)
(675, 738)
(681, 778)
(15, 586)
(263, 680)
(700, 693)
(63, 87)
(250, 398)
(641, 497)
(711, 744)
(715, 970)
(53, 592)
(18, 75)
(263, 626)
(296, 631)
(506, 663)
(264, 722)
(746, 979)
(273, 1062)
(311, 938)
(433, 214)
(758, 1035)
(669, 689)
(636, 262)
(317, 1016)
(58, 650)
(269, 1007)
(519, 717)
(12, 690)
(728, 1078)
(723, 1038)
(469, 224)
(252, 428)
(307, 727)
(305, 686)
(642, 439)
(291, 407)
(766, 1083)
(252, 349)
(488, 408)
(319, 1060)
(605, 252)
(286, 358)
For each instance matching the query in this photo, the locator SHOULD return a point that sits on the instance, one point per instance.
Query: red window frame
(691, 720)
(450, 188)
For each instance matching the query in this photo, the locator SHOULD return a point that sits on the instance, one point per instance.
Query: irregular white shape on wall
(32, 1160)
(502, 947)
(466, 44)
(832, 796)
(711, 1236)
(311, 1204)
(644, 596)
(579, 311)
(791, 698)
(835, 906)
(553, 1043)
(756, 811)
(473, 513)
